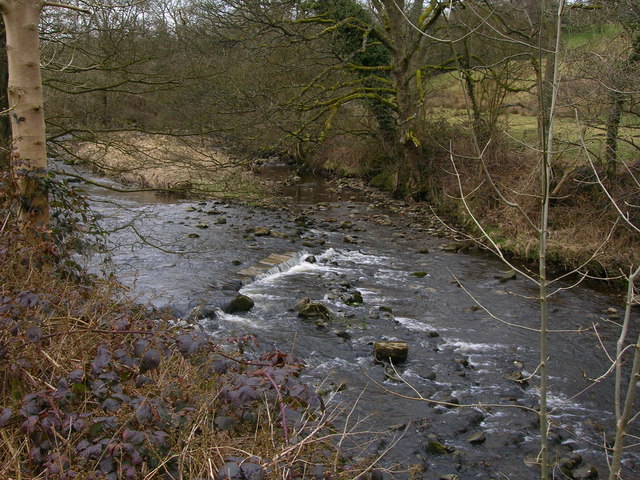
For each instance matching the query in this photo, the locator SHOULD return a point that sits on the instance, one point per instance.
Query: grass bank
(189, 164)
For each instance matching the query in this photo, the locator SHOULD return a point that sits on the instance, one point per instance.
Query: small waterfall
(271, 265)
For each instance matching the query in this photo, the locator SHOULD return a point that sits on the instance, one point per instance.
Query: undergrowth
(93, 386)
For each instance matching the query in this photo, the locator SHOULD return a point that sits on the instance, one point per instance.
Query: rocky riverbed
(462, 403)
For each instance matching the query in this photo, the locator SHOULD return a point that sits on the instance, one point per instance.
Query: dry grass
(584, 226)
(165, 162)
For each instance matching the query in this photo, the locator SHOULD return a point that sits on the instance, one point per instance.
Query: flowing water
(456, 349)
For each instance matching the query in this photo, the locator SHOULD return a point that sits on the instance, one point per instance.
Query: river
(415, 288)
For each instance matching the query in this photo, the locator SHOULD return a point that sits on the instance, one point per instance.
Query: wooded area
(388, 91)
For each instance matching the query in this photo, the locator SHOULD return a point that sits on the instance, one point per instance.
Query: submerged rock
(395, 352)
(506, 276)
(259, 231)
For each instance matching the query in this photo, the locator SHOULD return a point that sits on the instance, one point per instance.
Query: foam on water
(415, 325)
(353, 256)
(249, 321)
(337, 364)
(462, 346)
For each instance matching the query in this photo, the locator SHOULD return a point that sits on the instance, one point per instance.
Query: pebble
(477, 438)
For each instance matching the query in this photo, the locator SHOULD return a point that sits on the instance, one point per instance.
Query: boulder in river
(240, 303)
(312, 310)
(395, 351)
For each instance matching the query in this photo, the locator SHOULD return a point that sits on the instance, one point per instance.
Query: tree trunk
(403, 72)
(615, 112)
(28, 154)
(5, 129)
(613, 126)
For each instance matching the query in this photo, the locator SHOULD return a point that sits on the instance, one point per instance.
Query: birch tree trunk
(5, 131)
(28, 154)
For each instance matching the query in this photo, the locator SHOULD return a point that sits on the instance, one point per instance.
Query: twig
(281, 403)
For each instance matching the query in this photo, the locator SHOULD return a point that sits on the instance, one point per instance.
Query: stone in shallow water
(312, 310)
(241, 303)
(353, 299)
(391, 351)
(477, 438)
(436, 448)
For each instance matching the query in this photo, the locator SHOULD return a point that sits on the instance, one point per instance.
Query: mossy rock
(436, 448)
(241, 303)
